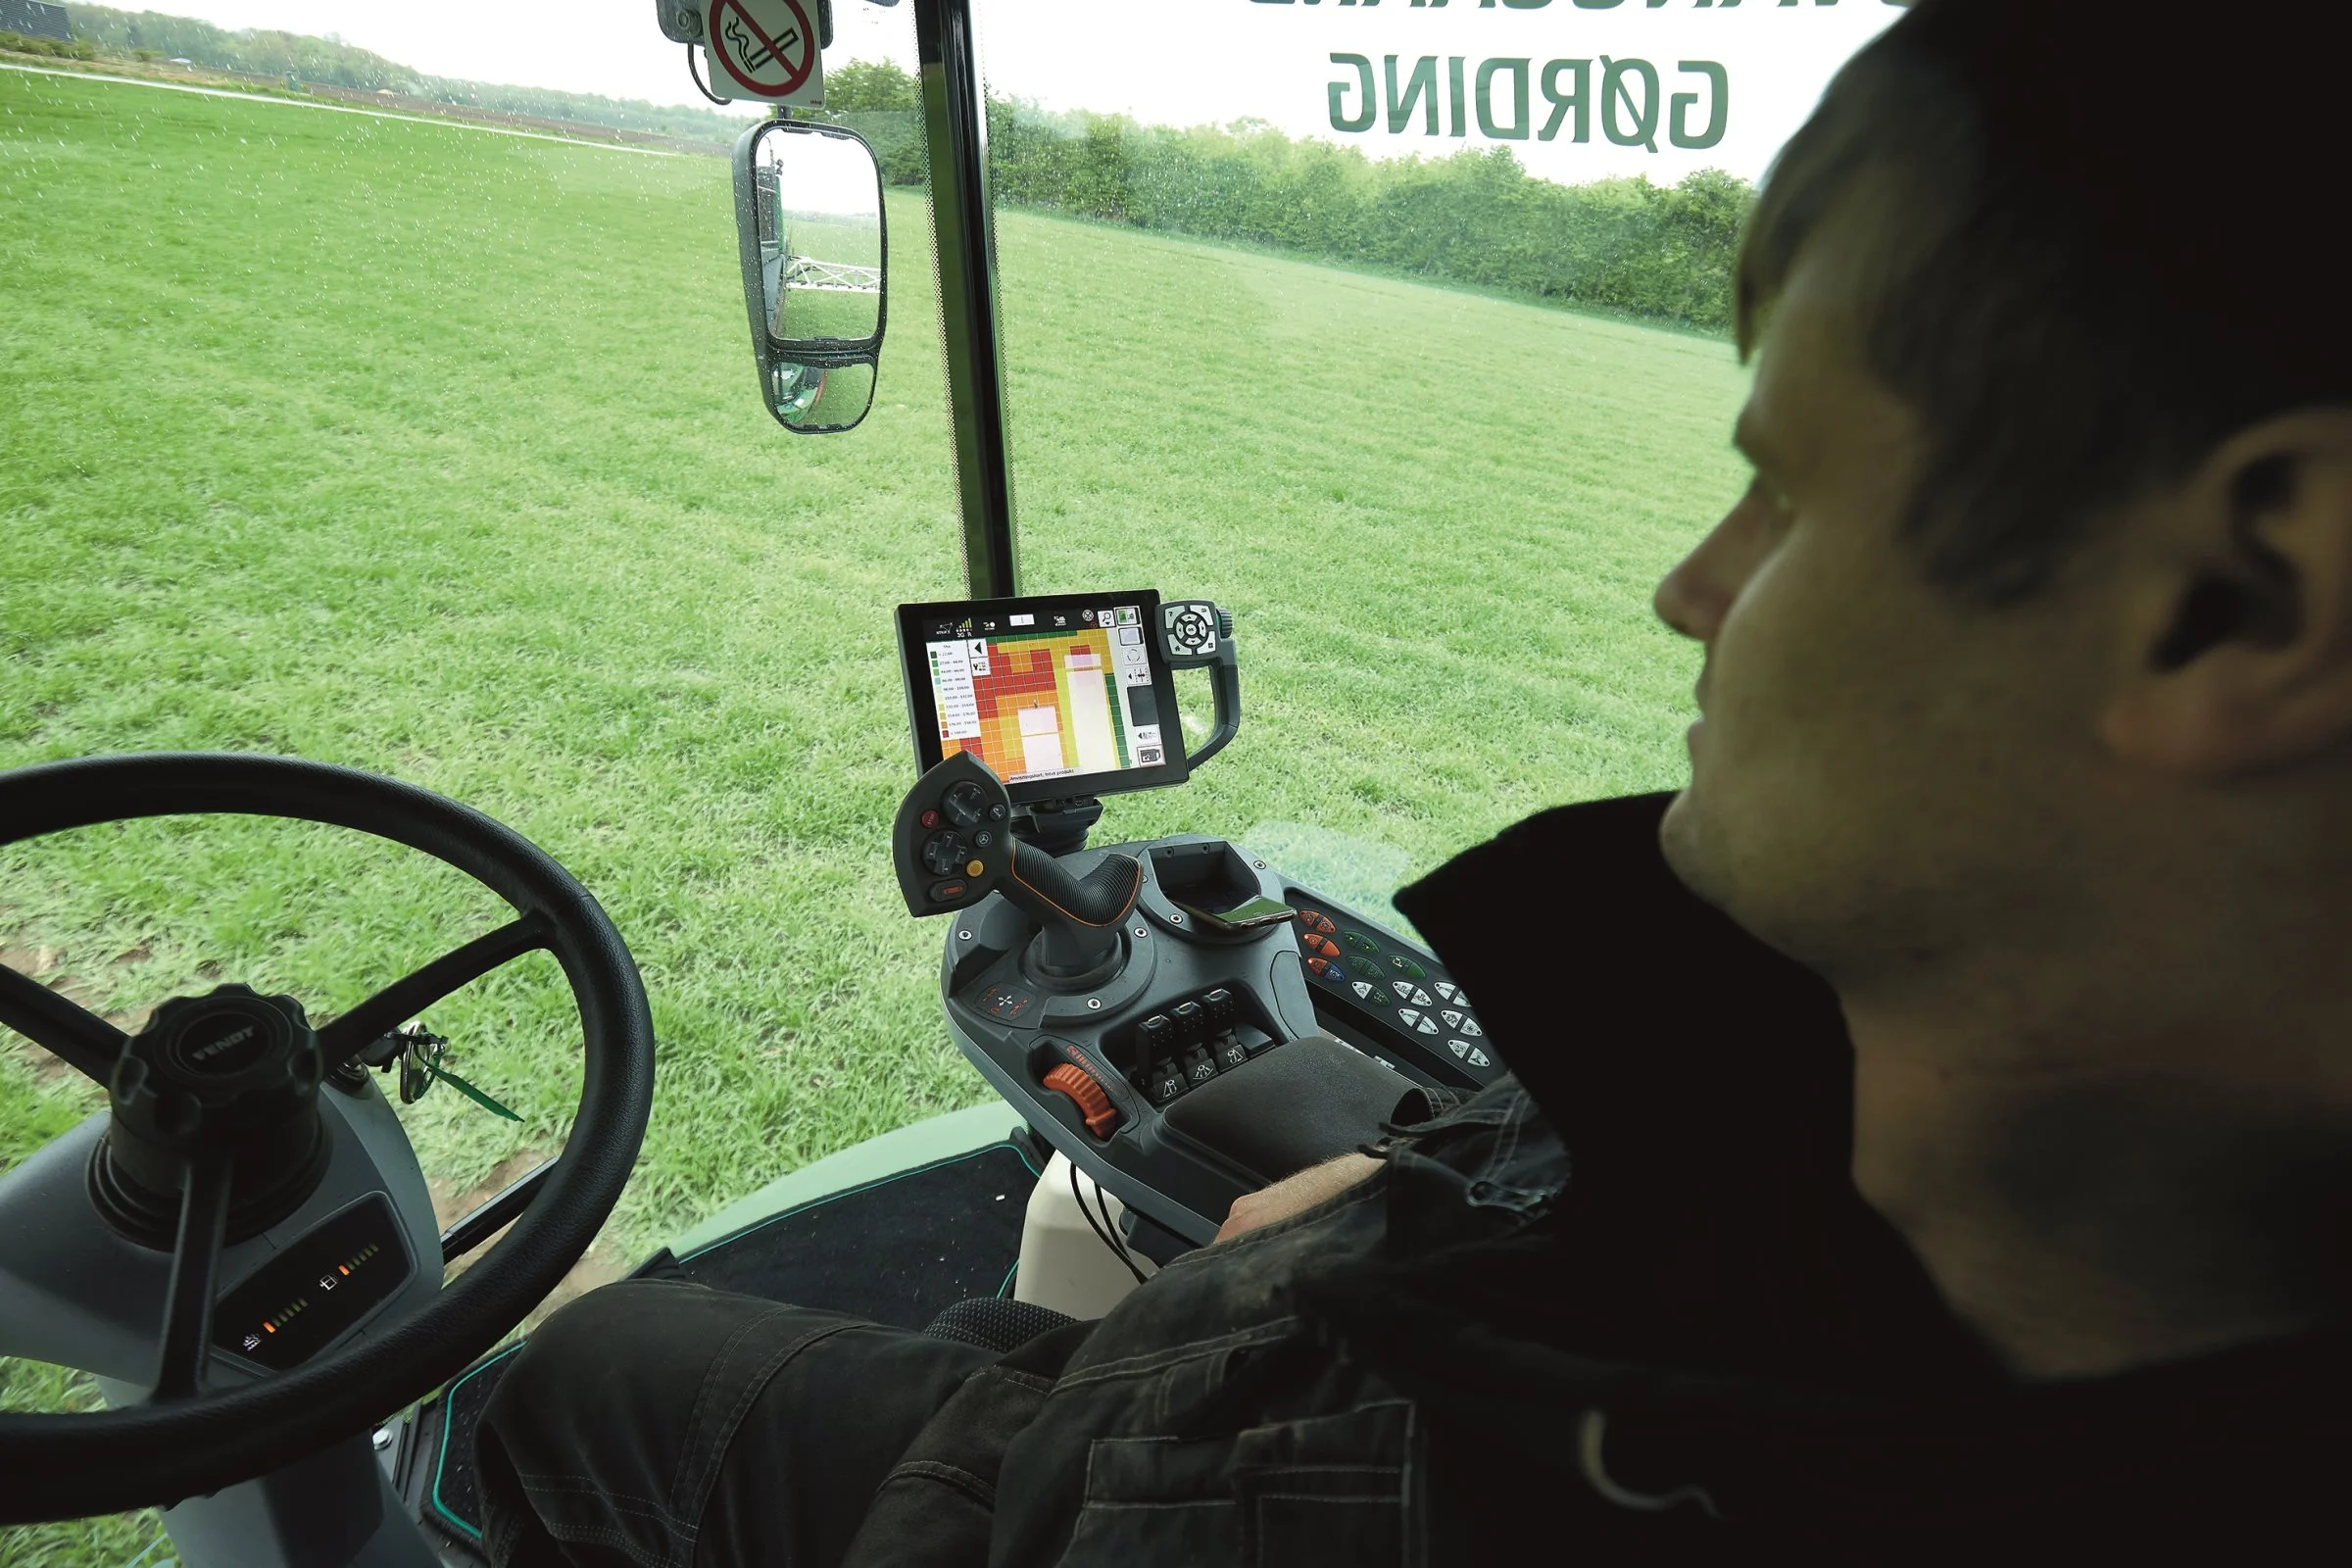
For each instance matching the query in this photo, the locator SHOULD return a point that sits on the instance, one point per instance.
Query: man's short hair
(2099, 241)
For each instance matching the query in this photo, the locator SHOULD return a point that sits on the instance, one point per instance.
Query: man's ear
(2241, 631)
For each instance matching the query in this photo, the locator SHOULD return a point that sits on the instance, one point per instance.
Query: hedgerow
(1477, 216)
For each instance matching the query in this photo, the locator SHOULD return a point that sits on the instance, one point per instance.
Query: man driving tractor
(1944, 1152)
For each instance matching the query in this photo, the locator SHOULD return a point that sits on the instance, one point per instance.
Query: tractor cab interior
(1167, 1011)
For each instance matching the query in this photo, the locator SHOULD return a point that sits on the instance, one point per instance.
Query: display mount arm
(1196, 634)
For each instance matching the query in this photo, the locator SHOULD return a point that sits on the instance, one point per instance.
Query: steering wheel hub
(233, 1073)
(220, 1042)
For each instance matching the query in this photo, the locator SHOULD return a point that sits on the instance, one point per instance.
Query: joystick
(1078, 918)
(952, 846)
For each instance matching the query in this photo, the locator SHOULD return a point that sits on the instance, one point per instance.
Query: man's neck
(2085, 1217)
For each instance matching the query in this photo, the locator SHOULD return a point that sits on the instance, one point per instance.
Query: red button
(1321, 947)
(1317, 921)
(930, 819)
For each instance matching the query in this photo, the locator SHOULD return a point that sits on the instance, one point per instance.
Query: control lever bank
(1178, 1065)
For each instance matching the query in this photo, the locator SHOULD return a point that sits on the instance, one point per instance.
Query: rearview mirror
(815, 252)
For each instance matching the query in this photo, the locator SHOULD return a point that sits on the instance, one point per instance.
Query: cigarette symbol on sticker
(748, 49)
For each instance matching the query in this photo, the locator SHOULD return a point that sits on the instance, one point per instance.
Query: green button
(1407, 967)
(1361, 943)
(1366, 968)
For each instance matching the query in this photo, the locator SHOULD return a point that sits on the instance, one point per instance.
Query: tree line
(1477, 216)
(329, 61)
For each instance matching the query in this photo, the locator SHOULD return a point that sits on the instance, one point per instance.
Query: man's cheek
(1776, 752)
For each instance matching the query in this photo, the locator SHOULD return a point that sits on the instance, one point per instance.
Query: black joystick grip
(952, 839)
(1077, 916)
(1100, 899)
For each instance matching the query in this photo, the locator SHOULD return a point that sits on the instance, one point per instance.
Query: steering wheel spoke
(195, 1265)
(404, 998)
(72, 1033)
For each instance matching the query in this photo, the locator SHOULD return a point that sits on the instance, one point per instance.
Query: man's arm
(1296, 1193)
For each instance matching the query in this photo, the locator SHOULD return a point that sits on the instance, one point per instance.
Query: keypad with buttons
(1393, 993)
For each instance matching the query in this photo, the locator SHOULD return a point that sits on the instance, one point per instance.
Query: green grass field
(438, 453)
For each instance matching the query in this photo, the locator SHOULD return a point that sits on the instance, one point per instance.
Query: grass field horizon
(438, 454)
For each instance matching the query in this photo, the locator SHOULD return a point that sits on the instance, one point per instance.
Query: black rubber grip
(1100, 897)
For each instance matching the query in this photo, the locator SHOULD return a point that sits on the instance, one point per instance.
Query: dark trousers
(659, 1425)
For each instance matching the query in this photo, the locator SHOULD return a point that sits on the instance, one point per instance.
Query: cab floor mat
(453, 1498)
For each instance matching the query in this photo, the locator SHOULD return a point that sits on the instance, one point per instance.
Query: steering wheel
(186, 1441)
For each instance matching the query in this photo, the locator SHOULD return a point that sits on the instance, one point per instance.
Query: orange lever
(1093, 1104)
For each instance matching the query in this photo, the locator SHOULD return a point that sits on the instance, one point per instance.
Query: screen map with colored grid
(1049, 702)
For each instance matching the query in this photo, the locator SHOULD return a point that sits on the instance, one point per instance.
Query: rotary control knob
(1101, 1117)
(965, 804)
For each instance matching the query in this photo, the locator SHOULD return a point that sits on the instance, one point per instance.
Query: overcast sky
(1189, 62)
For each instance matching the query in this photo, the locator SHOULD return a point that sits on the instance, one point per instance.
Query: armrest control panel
(1101, 1069)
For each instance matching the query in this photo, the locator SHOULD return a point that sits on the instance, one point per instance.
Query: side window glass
(357, 412)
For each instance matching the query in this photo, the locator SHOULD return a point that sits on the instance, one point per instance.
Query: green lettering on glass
(1581, 100)
(1487, 126)
(1341, 120)
(1424, 79)
(1617, 77)
(1719, 109)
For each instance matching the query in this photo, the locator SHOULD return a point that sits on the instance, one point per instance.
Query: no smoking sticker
(764, 49)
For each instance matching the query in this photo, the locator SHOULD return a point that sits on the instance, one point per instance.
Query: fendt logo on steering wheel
(767, 46)
(223, 1042)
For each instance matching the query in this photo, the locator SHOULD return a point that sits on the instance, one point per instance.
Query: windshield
(1402, 334)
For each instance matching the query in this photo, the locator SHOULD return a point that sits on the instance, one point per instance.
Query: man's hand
(1296, 1193)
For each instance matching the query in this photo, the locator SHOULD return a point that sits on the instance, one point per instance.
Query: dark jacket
(1624, 1307)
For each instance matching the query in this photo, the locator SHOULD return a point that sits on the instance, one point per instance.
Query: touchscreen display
(1044, 691)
